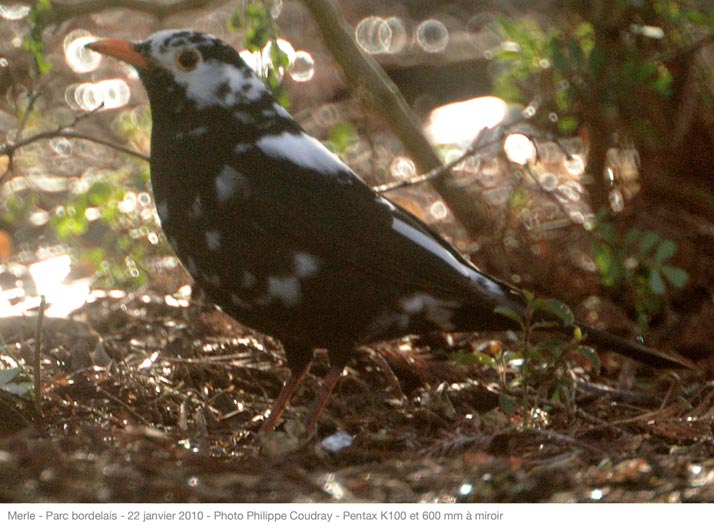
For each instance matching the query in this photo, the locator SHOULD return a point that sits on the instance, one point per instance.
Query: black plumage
(285, 237)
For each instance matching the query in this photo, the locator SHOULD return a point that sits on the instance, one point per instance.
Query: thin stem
(38, 356)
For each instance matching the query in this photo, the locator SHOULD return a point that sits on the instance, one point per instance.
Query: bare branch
(106, 143)
(34, 96)
(9, 149)
(61, 11)
(438, 172)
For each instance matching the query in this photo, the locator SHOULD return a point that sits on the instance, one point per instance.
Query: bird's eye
(187, 60)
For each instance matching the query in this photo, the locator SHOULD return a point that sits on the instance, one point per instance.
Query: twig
(566, 439)
(124, 405)
(38, 355)
(34, 96)
(476, 147)
(9, 149)
(61, 11)
(437, 172)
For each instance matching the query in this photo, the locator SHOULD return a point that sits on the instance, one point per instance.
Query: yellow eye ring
(187, 60)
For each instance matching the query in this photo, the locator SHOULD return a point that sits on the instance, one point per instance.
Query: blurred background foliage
(603, 110)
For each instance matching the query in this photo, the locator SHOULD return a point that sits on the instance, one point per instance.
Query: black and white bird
(286, 238)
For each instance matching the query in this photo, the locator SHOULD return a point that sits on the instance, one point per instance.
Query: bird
(284, 237)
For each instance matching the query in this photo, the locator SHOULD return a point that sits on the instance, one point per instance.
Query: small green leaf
(576, 52)
(648, 241)
(341, 136)
(468, 358)
(509, 313)
(18, 388)
(656, 283)
(608, 233)
(665, 251)
(8, 375)
(675, 275)
(507, 403)
(552, 347)
(631, 236)
(567, 124)
(597, 61)
(555, 308)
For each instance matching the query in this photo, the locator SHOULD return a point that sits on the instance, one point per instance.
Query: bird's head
(183, 65)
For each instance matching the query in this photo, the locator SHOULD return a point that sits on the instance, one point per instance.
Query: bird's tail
(474, 317)
(632, 349)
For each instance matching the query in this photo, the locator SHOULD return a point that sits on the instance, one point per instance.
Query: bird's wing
(309, 199)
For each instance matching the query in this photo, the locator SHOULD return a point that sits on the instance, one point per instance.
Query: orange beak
(120, 49)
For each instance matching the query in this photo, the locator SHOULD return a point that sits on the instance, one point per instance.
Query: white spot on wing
(212, 279)
(196, 208)
(162, 208)
(490, 285)
(226, 183)
(213, 240)
(238, 302)
(303, 150)
(197, 132)
(437, 311)
(247, 280)
(306, 265)
(191, 266)
(281, 111)
(385, 321)
(432, 245)
(283, 288)
(414, 304)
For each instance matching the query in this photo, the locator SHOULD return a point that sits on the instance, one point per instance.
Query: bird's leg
(328, 384)
(291, 384)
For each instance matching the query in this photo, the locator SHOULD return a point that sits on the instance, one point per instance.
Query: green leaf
(665, 251)
(656, 283)
(18, 388)
(259, 26)
(342, 135)
(8, 375)
(675, 275)
(648, 241)
(555, 308)
(468, 358)
(597, 61)
(608, 233)
(551, 347)
(567, 124)
(663, 84)
(509, 313)
(507, 403)
(631, 236)
(604, 262)
(576, 52)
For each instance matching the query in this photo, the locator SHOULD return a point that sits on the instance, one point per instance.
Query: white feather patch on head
(204, 84)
